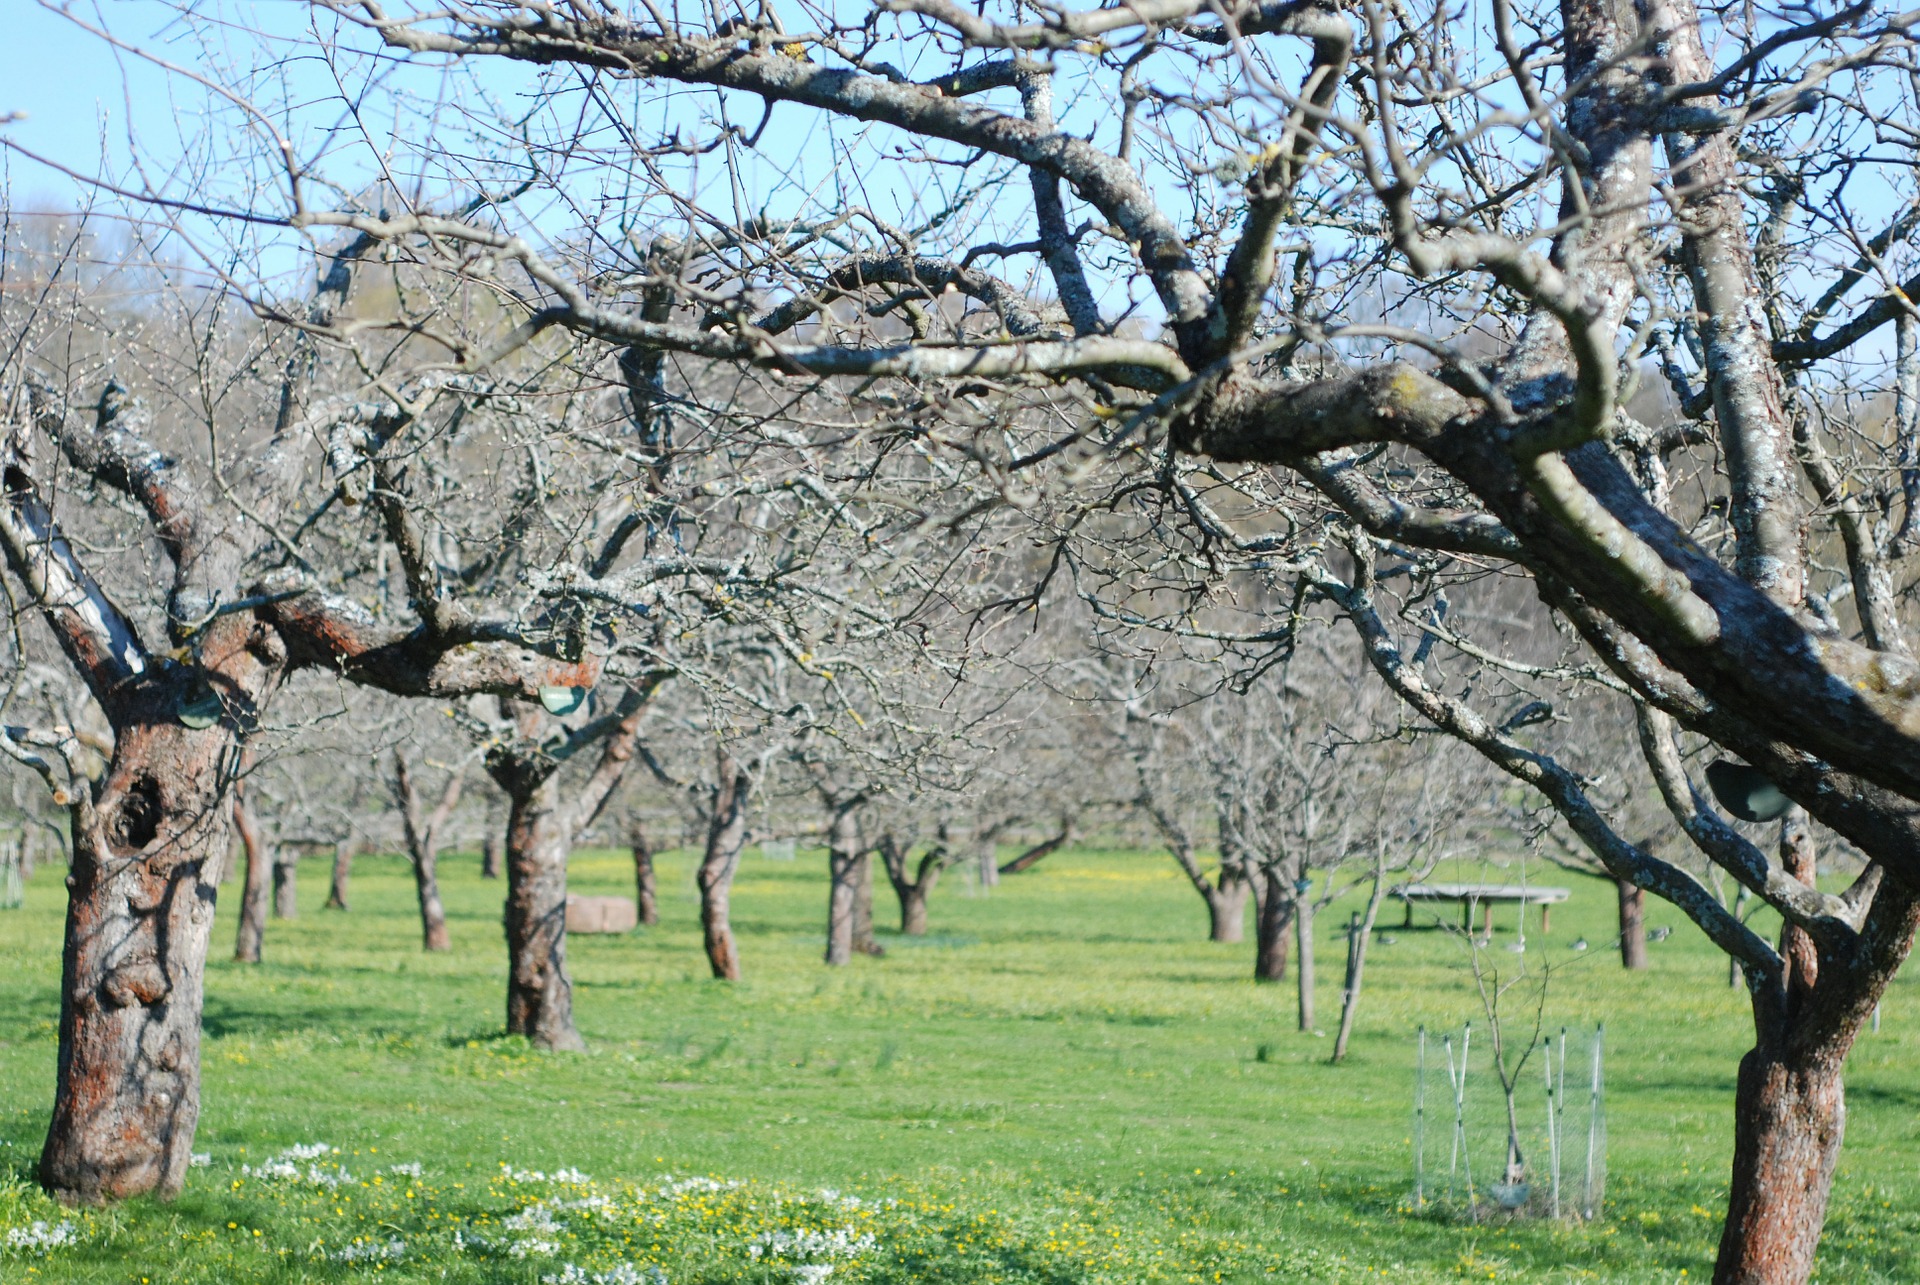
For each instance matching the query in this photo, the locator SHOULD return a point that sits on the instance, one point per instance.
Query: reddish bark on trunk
(540, 831)
(147, 851)
(539, 991)
(1790, 1103)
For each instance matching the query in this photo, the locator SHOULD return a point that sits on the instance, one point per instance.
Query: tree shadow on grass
(225, 1019)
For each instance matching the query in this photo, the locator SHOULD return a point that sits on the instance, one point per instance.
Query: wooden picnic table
(1489, 895)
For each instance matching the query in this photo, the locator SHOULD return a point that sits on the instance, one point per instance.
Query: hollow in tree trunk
(1633, 925)
(148, 842)
(286, 884)
(1273, 910)
(726, 836)
(342, 874)
(255, 892)
(646, 894)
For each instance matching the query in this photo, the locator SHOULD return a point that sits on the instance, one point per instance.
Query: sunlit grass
(1063, 1082)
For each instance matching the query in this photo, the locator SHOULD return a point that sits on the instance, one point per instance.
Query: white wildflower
(840, 1242)
(410, 1170)
(40, 1238)
(619, 1274)
(284, 1167)
(200, 1159)
(371, 1251)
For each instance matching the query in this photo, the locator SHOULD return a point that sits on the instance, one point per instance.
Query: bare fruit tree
(1310, 304)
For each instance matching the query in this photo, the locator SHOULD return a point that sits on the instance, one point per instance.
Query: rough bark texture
(539, 991)
(1633, 925)
(646, 894)
(540, 832)
(1790, 1103)
(342, 875)
(251, 929)
(1789, 1118)
(147, 851)
(726, 836)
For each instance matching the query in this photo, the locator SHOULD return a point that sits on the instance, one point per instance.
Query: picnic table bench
(1470, 895)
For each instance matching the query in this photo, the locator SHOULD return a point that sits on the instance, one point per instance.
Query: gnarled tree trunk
(539, 991)
(147, 851)
(1227, 910)
(726, 836)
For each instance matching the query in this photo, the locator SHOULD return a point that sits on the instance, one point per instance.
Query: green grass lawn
(1063, 1083)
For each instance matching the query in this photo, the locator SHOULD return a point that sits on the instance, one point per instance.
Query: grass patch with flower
(1063, 1083)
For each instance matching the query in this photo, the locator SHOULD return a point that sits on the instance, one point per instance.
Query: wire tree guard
(1563, 1131)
